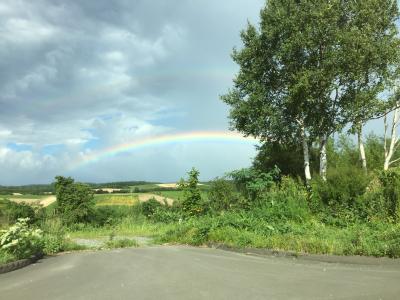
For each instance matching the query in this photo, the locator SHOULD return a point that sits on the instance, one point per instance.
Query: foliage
(167, 215)
(390, 181)
(21, 241)
(121, 243)
(192, 203)
(6, 257)
(222, 196)
(288, 201)
(311, 68)
(342, 187)
(382, 199)
(109, 215)
(149, 207)
(13, 211)
(311, 236)
(252, 183)
(75, 201)
(287, 157)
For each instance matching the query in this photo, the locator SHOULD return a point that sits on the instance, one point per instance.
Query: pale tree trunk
(323, 160)
(306, 154)
(394, 140)
(361, 148)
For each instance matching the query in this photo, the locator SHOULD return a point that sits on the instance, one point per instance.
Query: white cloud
(87, 75)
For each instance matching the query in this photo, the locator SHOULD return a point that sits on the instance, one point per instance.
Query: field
(35, 200)
(116, 199)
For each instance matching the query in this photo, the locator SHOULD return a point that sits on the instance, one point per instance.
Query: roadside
(180, 272)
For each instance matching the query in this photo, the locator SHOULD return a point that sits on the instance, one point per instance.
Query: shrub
(339, 195)
(222, 196)
(253, 183)
(390, 181)
(111, 214)
(14, 211)
(192, 204)
(149, 207)
(166, 215)
(75, 201)
(21, 241)
(287, 201)
(382, 198)
(121, 243)
(53, 236)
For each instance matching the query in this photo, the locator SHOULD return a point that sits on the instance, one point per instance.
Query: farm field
(116, 199)
(43, 200)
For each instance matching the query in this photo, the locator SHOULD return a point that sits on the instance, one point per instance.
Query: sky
(80, 77)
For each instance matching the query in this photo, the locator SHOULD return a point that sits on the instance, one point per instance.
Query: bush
(390, 181)
(192, 204)
(253, 183)
(112, 214)
(382, 198)
(287, 201)
(340, 193)
(121, 243)
(75, 201)
(53, 236)
(223, 196)
(166, 214)
(21, 241)
(13, 211)
(149, 207)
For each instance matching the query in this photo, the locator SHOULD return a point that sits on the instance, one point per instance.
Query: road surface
(178, 272)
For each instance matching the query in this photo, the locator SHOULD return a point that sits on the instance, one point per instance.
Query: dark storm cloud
(86, 74)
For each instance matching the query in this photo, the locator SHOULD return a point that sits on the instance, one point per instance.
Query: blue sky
(80, 76)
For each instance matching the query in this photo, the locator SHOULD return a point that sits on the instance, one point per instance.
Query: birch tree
(392, 142)
(287, 89)
(370, 48)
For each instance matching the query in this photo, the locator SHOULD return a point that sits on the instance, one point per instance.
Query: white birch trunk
(393, 139)
(323, 160)
(361, 148)
(306, 154)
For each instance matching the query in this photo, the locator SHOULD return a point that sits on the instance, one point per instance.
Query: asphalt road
(196, 273)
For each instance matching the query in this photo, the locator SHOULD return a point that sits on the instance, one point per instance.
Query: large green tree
(75, 201)
(293, 86)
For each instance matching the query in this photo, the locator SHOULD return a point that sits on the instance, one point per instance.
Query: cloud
(87, 75)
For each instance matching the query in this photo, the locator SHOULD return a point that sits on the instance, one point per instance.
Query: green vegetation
(21, 241)
(75, 202)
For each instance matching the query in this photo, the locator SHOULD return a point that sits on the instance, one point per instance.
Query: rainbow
(183, 137)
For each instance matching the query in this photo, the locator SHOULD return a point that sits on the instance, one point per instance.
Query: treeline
(33, 189)
(119, 184)
(41, 189)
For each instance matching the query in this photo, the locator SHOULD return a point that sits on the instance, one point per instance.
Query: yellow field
(129, 200)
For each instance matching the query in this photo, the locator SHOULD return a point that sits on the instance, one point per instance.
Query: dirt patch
(48, 200)
(171, 185)
(43, 202)
(147, 197)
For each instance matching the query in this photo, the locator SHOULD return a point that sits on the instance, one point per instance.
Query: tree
(296, 82)
(394, 141)
(75, 201)
(192, 203)
(370, 48)
(287, 88)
